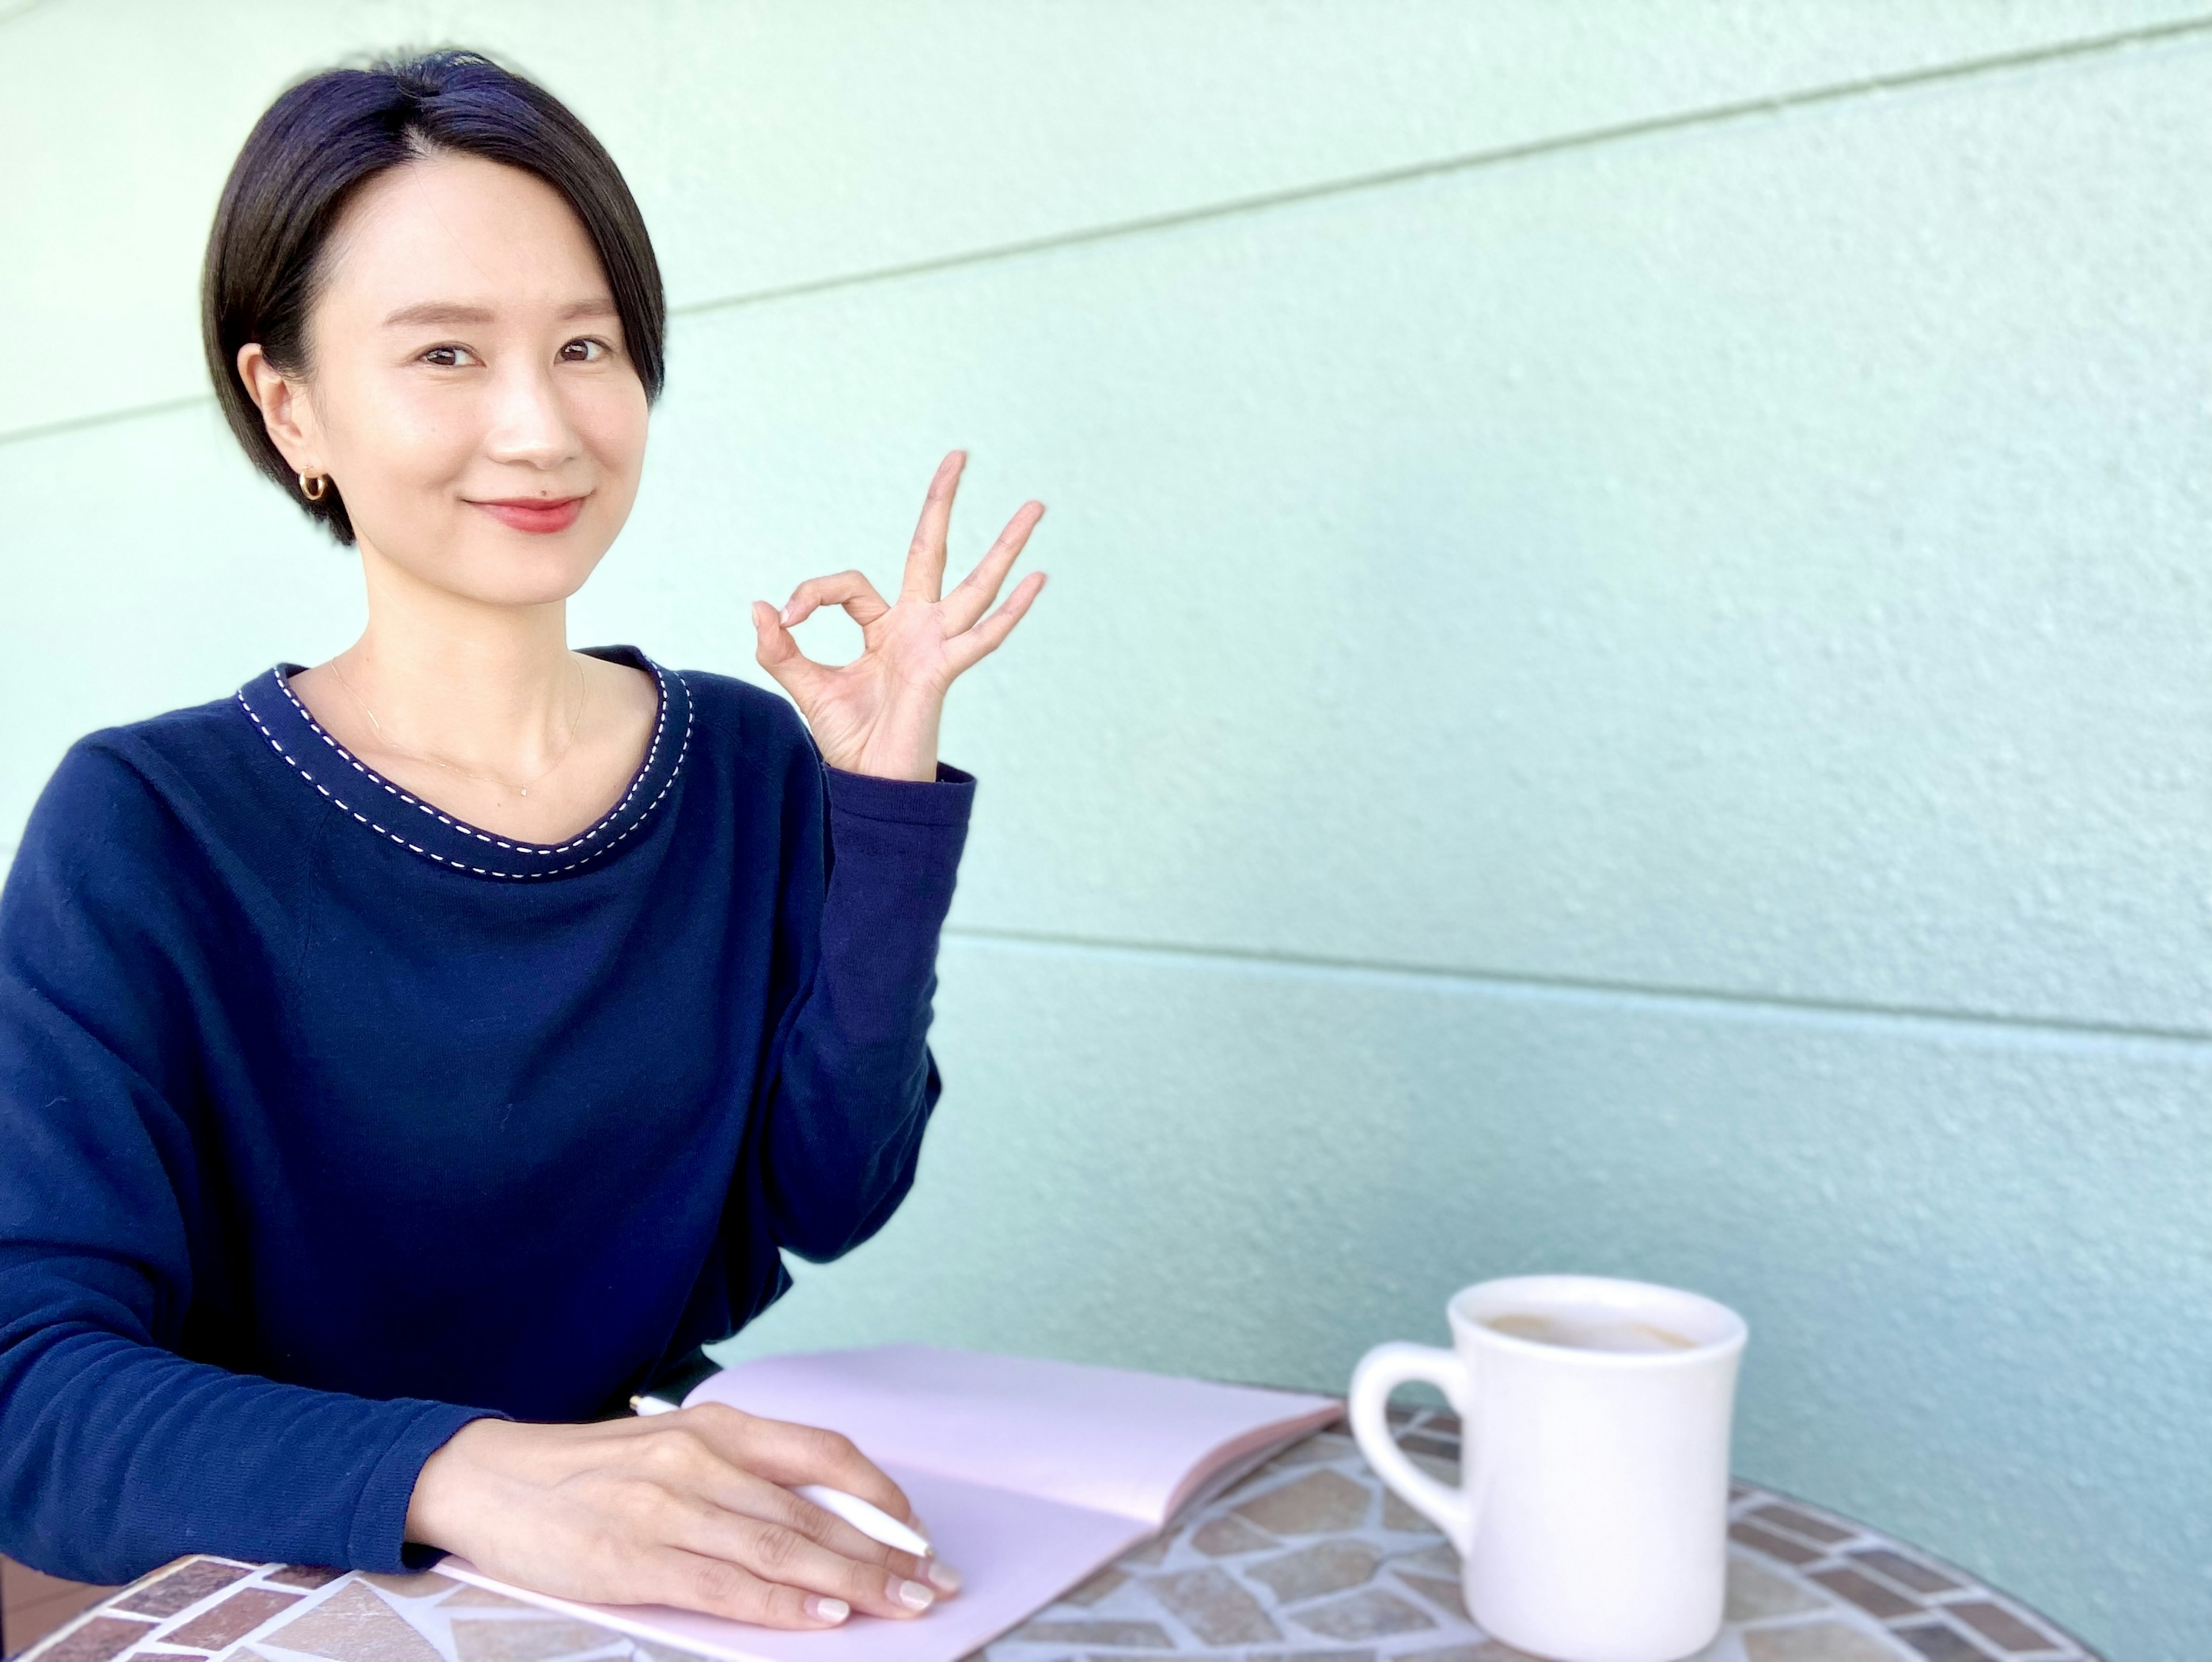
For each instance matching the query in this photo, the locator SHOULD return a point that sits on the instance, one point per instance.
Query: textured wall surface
(1628, 683)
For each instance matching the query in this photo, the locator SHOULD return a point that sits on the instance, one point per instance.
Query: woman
(408, 1059)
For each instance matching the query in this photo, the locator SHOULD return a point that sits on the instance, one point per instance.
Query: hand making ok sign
(879, 714)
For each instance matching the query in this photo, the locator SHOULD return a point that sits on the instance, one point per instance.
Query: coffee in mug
(1589, 1330)
(1595, 1416)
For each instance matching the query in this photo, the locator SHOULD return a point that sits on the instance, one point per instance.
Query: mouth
(539, 515)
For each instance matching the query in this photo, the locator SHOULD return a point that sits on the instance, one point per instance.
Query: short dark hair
(333, 132)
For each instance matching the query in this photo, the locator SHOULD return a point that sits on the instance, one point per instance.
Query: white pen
(870, 1520)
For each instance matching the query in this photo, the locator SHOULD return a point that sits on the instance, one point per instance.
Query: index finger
(792, 1454)
(924, 579)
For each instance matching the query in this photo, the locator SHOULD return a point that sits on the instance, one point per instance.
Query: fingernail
(828, 1610)
(912, 1594)
(943, 1577)
(787, 614)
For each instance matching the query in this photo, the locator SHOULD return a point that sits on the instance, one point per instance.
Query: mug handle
(1381, 1371)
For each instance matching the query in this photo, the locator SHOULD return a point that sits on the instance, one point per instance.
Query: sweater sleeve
(117, 1452)
(852, 1082)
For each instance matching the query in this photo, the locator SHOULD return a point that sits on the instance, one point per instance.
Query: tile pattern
(32, 1604)
(1307, 1560)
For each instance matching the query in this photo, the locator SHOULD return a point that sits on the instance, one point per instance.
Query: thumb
(778, 653)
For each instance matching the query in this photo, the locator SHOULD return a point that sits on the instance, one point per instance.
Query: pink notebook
(1030, 1474)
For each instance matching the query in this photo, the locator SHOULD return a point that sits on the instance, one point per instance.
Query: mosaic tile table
(1308, 1560)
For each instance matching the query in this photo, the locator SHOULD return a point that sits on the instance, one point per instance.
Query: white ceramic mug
(1591, 1518)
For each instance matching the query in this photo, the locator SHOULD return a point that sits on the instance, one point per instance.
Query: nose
(529, 425)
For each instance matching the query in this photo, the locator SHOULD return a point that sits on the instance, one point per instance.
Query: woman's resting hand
(693, 1508)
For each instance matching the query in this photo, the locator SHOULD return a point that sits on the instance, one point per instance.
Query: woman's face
(468, 388)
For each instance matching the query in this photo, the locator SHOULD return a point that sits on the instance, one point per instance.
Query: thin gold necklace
(575, 720)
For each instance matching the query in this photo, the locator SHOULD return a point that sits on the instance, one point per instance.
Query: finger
(972, 596)
(687, 1495)
(700, 1581)
(753, 1496)
(925, 556)
(688, 1464)
(790, 1454)
(849, 589)
(686, 1460)
(783, 1557)
(778, 653)
(979, 642)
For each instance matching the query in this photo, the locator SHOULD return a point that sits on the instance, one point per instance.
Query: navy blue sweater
(328, 1122)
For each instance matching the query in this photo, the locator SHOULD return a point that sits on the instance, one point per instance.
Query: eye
(585, 348)
(448, 358)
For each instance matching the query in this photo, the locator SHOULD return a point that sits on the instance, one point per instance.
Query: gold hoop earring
(316, 489)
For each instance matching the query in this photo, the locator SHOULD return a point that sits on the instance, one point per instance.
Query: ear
(287, 412)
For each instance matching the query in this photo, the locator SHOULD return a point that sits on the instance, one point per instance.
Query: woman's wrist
(437, 1512)
(902, 745)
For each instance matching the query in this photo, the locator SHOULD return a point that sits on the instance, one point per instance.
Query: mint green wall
(1628, 683)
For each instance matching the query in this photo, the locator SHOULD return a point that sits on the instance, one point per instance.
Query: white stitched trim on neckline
(661, 722)
(644, 771)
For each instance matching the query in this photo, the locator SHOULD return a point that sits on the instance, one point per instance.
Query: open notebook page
(1031, 1476)
(1017, 1553)
(1138, 1445)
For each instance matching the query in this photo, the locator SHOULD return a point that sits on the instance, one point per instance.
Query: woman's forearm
(117, 1456)
(853, 1081)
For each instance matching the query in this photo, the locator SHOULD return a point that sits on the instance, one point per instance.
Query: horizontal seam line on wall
(1383, 177)
(1433, 974)
(104, 418)
(1586, 138)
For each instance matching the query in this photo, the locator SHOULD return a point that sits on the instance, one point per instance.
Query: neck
(470, 682)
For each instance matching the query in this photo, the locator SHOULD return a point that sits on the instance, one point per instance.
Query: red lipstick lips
(540, 516)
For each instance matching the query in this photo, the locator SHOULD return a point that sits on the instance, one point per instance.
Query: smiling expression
(468, 390)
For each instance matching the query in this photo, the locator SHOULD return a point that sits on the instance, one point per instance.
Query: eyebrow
(442, 312)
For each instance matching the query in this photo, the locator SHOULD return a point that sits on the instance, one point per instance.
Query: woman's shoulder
(139, 798)
(730, 713)
(192, 748)
(223, 771)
